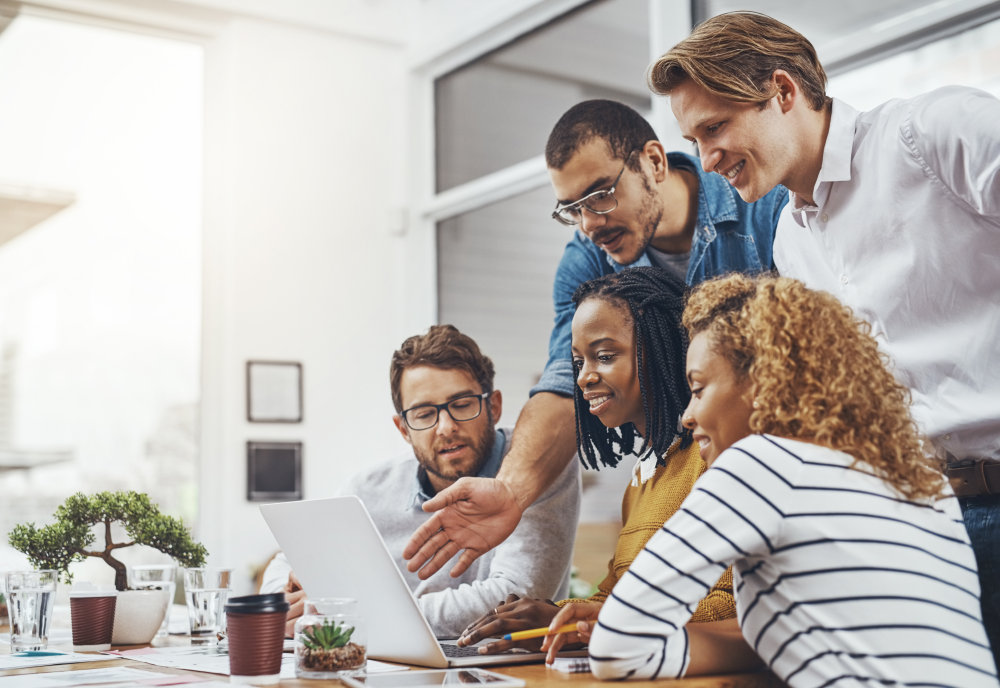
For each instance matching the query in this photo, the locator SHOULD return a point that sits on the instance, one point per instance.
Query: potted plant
(326, 648)
(71, 537)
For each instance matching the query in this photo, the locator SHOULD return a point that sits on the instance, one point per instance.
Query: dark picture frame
(274, 392)
(274, 471)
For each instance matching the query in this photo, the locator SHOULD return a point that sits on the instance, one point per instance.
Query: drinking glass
(157, 577)
(206, 590)
(30, 597)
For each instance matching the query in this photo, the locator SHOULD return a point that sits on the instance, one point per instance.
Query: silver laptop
(336, 551)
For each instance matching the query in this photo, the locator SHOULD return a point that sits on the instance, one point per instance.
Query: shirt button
(843, 279)
(947, 437)
(824, 217)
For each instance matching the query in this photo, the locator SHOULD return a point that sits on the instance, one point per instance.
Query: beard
(481, 447)
(648, 219)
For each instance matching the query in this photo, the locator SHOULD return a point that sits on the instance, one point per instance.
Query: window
(100, 287)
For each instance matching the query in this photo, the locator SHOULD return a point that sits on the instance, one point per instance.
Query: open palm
(472, 516)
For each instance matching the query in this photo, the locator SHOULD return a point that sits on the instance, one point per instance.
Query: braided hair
(655, 299)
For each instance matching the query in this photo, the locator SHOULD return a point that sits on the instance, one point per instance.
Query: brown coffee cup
(255, 626)
(92, 610)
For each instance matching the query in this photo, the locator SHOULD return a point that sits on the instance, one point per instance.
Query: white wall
(304, 152)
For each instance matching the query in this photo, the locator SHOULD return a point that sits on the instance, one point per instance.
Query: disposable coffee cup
(256, 630)
(92, 610)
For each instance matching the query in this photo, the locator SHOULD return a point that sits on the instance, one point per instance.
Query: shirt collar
(837, 154)
(421, 486)
(715, 203)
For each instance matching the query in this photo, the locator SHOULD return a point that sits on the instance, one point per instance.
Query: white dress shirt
(906, 232)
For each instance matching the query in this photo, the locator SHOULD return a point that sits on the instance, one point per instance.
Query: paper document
(25, 660)
(571, 665)
(64, 679)
(209, 659)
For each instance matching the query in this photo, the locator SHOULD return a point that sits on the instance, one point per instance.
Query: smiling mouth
(452, 449)
(598, 404)
(608, 242)
(731, 174)
(703, 441)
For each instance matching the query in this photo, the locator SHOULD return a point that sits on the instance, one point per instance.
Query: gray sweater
(533, 562)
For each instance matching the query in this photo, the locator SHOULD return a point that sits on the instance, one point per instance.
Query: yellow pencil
(539, 632)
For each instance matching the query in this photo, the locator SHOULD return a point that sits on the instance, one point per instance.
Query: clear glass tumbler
(30, 598)
(206, 591)
(330, 639)
(157, 577)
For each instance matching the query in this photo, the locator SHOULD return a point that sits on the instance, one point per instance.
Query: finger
(556, 644)
(438, 561)
(294, 581)
(464, 561)
(428, 550)
(494, 628)
(584, 629)
(511, 599)
(420, 537)
(447, 496)
(504, 645)
(290, 629)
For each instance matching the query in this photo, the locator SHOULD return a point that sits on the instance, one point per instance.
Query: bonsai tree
(70, 538)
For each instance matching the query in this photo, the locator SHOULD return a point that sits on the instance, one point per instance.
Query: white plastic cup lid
(85, 589)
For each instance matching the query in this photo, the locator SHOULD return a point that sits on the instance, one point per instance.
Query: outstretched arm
(477, 514)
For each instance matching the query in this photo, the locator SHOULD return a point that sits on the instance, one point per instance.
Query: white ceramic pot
(138, 615)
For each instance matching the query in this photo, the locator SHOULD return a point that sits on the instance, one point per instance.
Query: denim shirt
(730, 235)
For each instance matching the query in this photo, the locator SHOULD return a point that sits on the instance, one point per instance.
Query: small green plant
(58, 545)
(327, 637)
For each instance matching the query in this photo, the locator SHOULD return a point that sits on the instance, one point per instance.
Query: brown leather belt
(977, 478)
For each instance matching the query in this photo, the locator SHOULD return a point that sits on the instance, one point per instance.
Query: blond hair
(734, 56)
(816, 374)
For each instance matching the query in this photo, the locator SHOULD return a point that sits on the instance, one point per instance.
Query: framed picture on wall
(274, 392)
(274, 471)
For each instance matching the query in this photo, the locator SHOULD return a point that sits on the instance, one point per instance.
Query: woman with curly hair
(851, 563)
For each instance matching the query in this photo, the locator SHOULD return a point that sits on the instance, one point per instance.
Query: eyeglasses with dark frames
(599, 202)
(425, 416)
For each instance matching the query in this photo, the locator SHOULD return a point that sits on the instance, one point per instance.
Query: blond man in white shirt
(896, 211)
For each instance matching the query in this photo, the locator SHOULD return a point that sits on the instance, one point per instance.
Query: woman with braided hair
(851, 562)
(629, 349)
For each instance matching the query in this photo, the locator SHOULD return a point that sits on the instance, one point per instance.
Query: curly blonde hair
(817, 375)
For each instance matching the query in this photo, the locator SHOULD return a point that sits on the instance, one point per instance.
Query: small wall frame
(274, 471)
(274, 392)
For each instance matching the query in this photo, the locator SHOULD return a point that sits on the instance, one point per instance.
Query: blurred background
(187, 185)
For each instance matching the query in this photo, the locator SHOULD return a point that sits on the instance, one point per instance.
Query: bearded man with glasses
(446, 410)
(633, 204)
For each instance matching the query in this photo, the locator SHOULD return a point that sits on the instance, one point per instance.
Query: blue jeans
(982, 521)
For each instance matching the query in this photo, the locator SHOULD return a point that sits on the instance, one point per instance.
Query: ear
(653, 152)
(401, 426)
(496, 405)
(789, 92)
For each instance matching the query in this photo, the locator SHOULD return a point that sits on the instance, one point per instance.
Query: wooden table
(537, 675)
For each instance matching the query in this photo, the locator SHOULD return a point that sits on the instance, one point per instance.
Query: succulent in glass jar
(328, 647)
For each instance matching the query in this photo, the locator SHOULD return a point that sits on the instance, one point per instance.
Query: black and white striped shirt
(839, 580)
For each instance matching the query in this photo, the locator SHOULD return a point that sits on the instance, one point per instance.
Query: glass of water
(157, 577)
(205, 591)
(30, 598)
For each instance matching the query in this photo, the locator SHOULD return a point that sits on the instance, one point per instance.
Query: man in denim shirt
(633, 204)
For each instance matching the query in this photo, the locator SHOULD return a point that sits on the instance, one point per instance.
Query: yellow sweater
(644, 511)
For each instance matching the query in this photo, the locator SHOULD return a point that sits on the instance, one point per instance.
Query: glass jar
(330, 639)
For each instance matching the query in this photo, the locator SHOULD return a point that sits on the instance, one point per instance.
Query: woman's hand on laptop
(584, 614)
(296, 598)
(513, 614)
